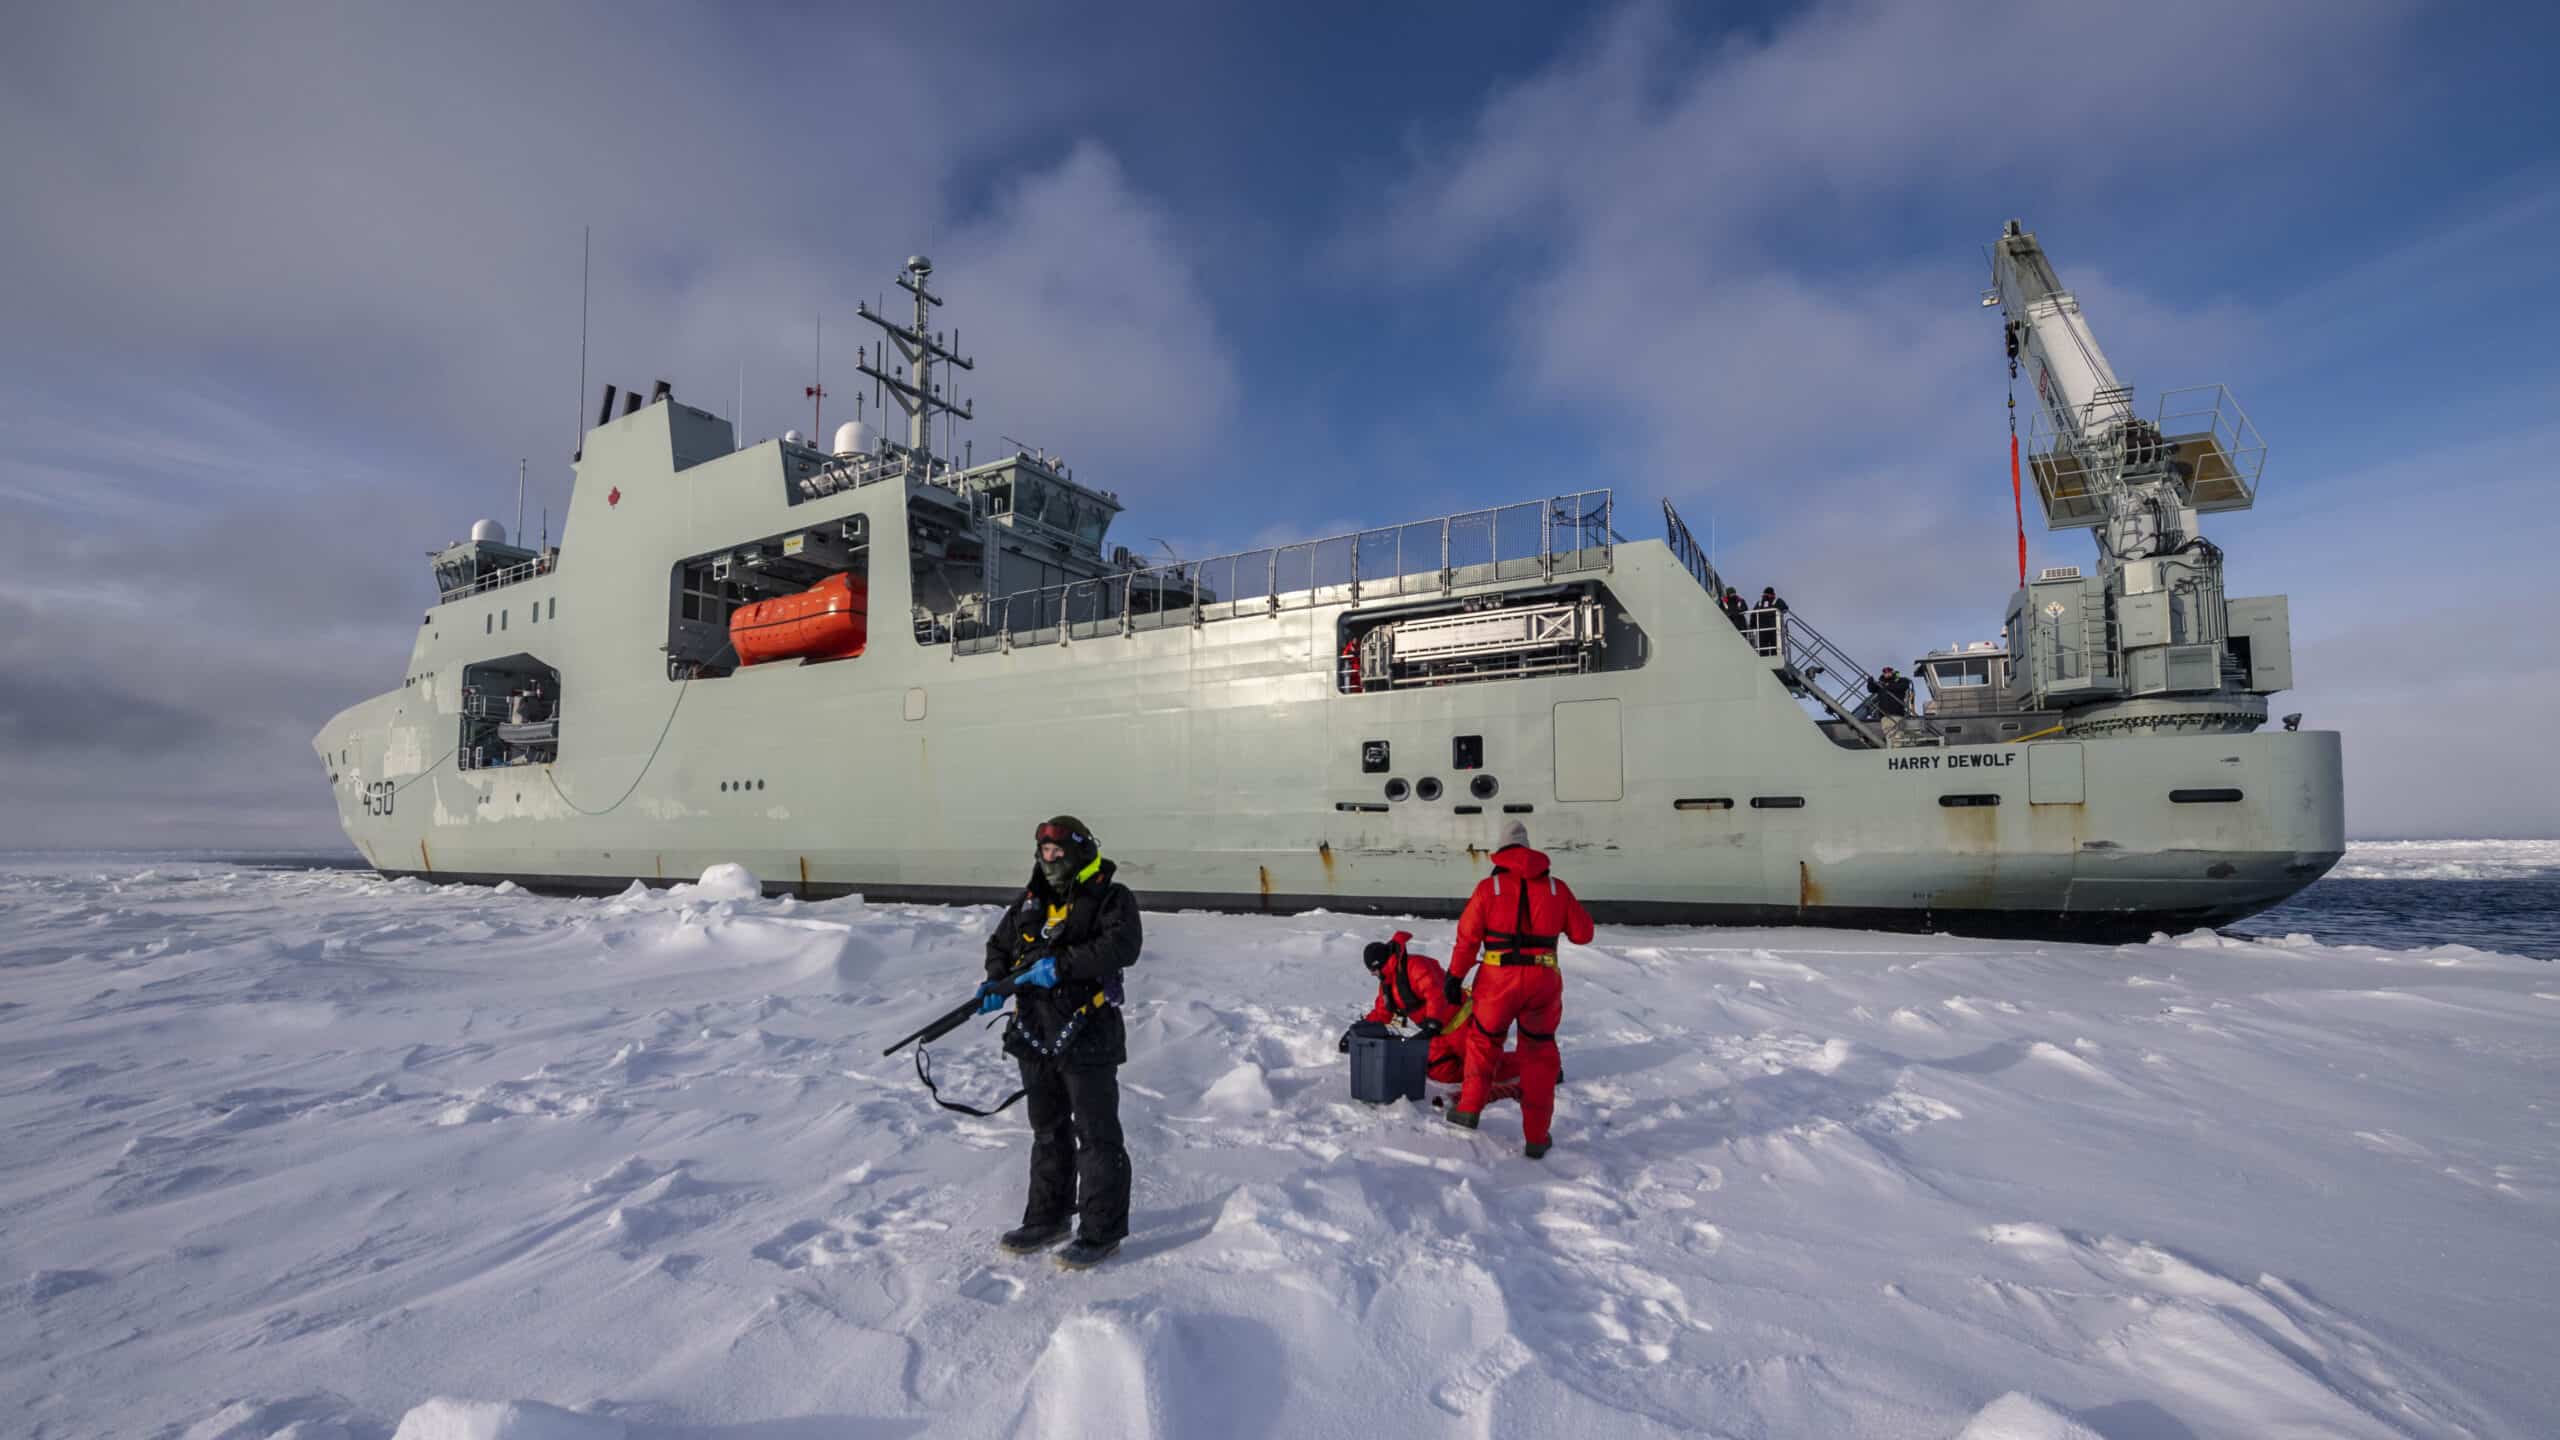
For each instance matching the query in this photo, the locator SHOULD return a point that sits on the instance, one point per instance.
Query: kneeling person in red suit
(1413, 989)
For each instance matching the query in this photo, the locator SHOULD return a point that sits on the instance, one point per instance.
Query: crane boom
(2076, 386)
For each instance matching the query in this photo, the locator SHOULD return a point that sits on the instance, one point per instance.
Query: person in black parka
(1068, 1035)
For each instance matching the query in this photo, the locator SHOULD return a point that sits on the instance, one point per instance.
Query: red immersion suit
(1410, 988)
(1515, 917)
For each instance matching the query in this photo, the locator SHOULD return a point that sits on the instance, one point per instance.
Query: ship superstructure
(859, 667)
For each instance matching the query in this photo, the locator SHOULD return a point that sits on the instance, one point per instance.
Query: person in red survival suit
(1515, 918)
(1413, 988)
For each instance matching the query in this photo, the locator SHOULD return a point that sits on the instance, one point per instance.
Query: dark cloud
(311, 287)
(46, 715)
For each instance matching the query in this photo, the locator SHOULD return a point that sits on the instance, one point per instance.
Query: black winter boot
(1085, 1254)
(1025, 1239)
(1466, 1118)
(1537, 1149)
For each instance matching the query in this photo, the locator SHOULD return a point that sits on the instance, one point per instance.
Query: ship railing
(514, 574)
(836, 474)
(1691, 555)
(1536, 539)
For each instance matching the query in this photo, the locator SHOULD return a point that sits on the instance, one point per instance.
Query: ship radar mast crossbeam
(921, 349)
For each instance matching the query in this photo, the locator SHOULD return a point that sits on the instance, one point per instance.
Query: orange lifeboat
(830, 620)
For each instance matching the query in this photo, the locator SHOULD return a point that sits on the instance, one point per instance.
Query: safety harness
(1066, 1036)
(1519, 945)
(1395, 981)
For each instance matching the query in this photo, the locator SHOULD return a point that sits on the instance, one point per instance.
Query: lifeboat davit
(830, 620)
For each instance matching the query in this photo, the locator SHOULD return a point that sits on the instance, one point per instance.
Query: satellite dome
(920, 264)
(853, 438)
(490, 531)
(792, 437)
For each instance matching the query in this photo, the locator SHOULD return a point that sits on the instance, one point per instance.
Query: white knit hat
(1514, 832)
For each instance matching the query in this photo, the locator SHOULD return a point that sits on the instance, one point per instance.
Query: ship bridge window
(1091, 521)
(1031, 499)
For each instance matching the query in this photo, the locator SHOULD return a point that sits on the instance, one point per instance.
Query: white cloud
(309, 287)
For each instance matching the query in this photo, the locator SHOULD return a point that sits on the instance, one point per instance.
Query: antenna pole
(921, 348)
(518, 532)
(586, 251)
(817, 388)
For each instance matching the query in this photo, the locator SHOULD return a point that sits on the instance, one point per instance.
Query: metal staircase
(1810, 666)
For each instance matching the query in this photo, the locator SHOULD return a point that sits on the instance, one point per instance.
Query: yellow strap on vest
(1500, 958)
(1465, 1013)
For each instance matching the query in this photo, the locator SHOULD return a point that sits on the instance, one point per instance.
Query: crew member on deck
(1764, 618)
(1893, 694)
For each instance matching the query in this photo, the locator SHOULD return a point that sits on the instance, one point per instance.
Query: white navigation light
(490, 531)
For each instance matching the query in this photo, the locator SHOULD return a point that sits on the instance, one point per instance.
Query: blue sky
(298, 286)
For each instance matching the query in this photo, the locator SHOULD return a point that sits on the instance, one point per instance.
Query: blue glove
(1043, 974)
(988, 1001)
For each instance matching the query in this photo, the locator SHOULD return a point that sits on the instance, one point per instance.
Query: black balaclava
(1376, 956)
(1072, 837)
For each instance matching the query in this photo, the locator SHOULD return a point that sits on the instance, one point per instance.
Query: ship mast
(920, 398)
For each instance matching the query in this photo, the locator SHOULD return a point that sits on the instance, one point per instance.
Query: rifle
(950, 1020)
(960, 1014)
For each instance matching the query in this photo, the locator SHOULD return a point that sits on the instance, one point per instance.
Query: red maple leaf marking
(613, 496)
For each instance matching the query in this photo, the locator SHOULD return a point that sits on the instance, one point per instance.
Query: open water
(2516, 917)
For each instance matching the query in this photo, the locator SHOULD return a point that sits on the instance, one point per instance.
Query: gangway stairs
(1810, 666)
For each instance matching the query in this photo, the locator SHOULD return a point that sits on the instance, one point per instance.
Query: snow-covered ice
(2450, 860)
(316, 1155)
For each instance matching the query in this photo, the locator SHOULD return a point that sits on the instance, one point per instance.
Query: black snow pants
(1078, 1164)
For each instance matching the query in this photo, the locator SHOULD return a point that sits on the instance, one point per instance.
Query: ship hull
(1223, 765)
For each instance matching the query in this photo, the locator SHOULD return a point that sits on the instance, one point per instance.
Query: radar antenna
(919, 397)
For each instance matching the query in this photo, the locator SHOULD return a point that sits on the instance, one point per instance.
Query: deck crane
(2149, 642)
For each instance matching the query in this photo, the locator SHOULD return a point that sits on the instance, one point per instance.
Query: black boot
(1025, 1239)
(1085, 1254)
(1537, 1149)
(1466, 1118)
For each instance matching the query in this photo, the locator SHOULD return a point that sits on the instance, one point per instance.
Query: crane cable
(2017, 492)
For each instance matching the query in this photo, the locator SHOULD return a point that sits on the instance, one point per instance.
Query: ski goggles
(1058, 835)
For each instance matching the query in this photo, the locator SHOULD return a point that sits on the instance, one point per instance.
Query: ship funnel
(488, 532)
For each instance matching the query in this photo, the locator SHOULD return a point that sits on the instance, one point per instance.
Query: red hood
(1522, 861)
